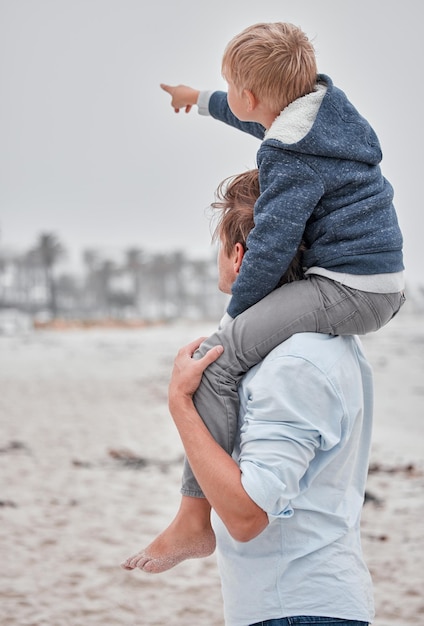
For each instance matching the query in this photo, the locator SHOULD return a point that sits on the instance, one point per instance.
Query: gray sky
(91, 150)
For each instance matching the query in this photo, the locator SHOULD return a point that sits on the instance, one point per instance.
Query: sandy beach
(90, 466)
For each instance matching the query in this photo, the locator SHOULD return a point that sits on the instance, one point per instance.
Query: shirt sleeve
(203, 102)
(284, 430)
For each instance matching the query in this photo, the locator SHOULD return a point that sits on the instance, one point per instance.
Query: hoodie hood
(324, 123)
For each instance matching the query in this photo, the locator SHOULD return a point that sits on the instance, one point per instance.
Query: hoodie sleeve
(219, 109)
(290, 191)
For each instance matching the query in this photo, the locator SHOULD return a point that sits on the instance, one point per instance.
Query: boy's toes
(137, 560)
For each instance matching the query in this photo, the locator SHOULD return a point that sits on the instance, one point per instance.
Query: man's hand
(183, 97)
(187, 372)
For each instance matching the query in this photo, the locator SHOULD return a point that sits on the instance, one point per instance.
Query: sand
(90, 466)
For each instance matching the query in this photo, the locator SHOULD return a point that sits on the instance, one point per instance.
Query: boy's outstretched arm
(183, 97)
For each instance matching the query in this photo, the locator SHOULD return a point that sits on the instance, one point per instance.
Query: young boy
(320, 180)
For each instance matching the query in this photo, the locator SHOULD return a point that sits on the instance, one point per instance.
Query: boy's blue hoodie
(320, 180)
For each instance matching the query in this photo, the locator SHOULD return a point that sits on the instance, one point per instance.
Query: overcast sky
(91, 150)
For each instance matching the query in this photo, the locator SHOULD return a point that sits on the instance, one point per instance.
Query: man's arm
(217, 473)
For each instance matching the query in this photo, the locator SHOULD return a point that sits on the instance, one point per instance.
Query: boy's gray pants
(315, 304)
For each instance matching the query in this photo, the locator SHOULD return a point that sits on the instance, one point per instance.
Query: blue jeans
(315, 304)
(310, 621)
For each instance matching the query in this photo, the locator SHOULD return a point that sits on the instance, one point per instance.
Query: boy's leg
(188, 536)
(315, 304)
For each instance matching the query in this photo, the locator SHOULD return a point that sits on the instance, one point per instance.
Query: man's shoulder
(322, 350)
(309, 340)
(311, 356)
(310, 363)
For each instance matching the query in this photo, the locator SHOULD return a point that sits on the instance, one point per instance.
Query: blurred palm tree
(47, 252)
(134, 261)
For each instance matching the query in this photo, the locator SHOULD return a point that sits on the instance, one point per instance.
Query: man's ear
(238, 257)
(250, 100)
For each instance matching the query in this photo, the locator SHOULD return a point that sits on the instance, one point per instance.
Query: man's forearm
(217, 473)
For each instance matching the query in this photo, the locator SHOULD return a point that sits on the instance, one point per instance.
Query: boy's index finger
(166, 88)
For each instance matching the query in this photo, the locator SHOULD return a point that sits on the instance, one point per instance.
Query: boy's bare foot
(189, 536)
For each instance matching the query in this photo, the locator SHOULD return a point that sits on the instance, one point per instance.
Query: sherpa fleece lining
(297, 119)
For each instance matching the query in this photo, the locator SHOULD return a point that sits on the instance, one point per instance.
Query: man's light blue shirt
(303, 450)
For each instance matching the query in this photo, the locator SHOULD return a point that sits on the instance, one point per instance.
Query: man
(287, 503)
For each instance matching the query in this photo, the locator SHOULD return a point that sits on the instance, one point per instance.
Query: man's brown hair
(235, 199)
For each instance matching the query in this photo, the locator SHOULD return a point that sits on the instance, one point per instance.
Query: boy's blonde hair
(275, 61)
(236, 197)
